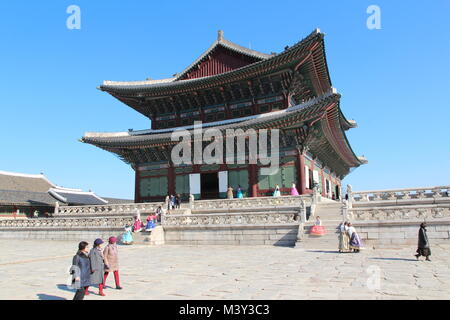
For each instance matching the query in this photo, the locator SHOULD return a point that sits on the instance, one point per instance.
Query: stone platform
(34, 270)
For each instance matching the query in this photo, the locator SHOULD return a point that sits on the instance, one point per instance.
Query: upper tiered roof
(227, 72)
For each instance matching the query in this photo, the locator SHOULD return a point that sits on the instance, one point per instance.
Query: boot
(428, 258)
(417, 256)
(100, 290)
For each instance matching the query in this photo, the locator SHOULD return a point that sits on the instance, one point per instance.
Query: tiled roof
(115, 140)
(11, 197)
(117, 201)
(266, 62)
(76, 197)
(24, 182)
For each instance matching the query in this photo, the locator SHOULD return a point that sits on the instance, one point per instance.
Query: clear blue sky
(394, 81)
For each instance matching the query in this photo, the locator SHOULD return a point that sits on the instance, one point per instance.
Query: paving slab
(34, 270)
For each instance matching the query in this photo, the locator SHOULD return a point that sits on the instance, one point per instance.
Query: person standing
(423, 247)
(355, 240)
(111, 257)
(239, 193)
(294, 191)
(127, 237)
(81, 262)
(178, 201)
(230, 192)
(97, 266)
(277, 192)
(344, 240)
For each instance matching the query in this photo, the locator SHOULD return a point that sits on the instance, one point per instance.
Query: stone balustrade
(109, 209)
(85, 223)
(229, 219)
(400, 213)
(402, 195)
(286, 201)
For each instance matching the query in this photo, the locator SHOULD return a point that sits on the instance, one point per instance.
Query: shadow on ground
(326, 251)
(394, 259)
(65, 288)
(43, 296)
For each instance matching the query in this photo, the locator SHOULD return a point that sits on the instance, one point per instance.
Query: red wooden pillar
(301, 182)
(253, 179)
(137, 186)
(171, 180)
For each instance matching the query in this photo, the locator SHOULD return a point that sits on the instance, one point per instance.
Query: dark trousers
(79, 294)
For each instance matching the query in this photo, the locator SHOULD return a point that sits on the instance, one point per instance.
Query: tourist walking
(230, 192)
(344, 240)
(110, 254)
(294, 191)
(239, 193)
(82, 263)
(355, 240)
(277, 192)
(127, 237)
(97, 267)
(423, 247)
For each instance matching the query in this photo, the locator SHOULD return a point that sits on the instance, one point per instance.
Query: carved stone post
(301, 225)
(350, 196)
(191, 201)
(344, 210)
(56, 207)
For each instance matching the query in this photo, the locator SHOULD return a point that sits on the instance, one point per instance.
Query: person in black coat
(81, 269)
(423, 245)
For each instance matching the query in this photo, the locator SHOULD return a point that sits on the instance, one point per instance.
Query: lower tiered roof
(321, 117)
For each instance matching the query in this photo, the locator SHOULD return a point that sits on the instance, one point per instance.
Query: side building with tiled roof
(24, 194)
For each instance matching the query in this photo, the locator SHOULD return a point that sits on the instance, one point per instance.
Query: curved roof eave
(121, 86)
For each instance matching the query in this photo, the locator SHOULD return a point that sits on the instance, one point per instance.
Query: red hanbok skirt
(317, 230)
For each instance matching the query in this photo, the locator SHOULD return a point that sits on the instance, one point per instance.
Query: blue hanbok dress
(127, 238)
(239, 193)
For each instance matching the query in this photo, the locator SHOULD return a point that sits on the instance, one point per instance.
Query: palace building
(233, 87)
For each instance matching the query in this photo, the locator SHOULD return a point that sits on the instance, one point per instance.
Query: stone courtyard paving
(38, 270)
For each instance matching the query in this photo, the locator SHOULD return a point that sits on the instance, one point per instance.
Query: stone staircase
(154, 237)
(330, 215)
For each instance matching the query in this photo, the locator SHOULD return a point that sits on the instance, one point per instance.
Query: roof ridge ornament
(220, 35)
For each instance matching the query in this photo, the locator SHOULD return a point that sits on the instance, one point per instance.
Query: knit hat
(112, 240)
(98, 241)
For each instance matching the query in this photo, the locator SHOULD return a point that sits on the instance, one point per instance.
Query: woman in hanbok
(344, 241)
(317, 229)
(150, 223)
(230, 192)
(355, 240)
(277, 192)
(137, 225)
(239, 193)
(294, 191)
(127, 237)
